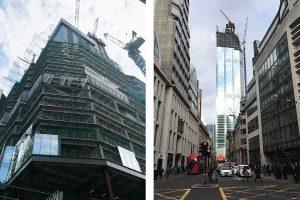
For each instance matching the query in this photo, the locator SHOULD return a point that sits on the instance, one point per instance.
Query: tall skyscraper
(171, 26)
(75, 123)
(229, 79)
(211, 128)
(177, 129)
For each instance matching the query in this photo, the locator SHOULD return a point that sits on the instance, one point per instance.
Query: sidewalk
(171, 177)
(272, 178)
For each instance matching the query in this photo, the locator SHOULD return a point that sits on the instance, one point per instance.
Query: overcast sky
(20, 19)
(203, 19)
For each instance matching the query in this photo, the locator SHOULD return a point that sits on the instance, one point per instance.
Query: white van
(240, 169)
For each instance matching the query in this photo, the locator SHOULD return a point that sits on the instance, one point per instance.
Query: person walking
(245, 173)
(296, 172)
(161, 172)
(264, 168)
(168, 171)
(257, 174)
(210, 172)
(285, 171)
(214, 175)
(269, 170)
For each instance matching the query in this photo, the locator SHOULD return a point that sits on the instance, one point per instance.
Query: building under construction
(229, 83)
(74, 125)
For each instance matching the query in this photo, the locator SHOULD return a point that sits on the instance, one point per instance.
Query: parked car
(240, 169)
(220, 165)
(225, 171)
(234, 170)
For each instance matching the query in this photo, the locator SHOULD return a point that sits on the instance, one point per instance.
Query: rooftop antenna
(230, 25)
(77, 13)
(244, 52)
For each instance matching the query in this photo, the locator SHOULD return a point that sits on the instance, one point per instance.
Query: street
(188, 187)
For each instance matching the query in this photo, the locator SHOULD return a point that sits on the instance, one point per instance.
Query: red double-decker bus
(220, 159)
(195, 164)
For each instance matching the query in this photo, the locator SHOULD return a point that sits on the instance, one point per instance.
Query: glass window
(4, 167)
(45, 144)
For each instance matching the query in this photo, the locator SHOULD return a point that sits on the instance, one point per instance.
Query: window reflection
(45, 144)
(4, 167)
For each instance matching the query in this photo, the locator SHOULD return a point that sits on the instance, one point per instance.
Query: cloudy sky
(21, 19)
(203, 19)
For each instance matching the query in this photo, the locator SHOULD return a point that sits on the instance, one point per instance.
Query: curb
(277, 180)
(197, 186)
(169, 178)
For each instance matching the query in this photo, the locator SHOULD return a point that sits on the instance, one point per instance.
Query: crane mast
(95, 27)
(244, 54)
(77, 13)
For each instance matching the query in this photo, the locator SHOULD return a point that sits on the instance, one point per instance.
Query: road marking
(222, 193)
(166, 197)
(185, 194)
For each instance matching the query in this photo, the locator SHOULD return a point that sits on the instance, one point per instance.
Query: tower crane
(132, 48)
(95, 27)
(244, 53)
(230, 25)
(77, 13)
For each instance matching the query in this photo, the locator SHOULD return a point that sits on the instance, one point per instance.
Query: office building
(171, 27)
(211, 128)
(237, 138)
(276, 64)
(229, 84)
(74, 124)
(177, 128)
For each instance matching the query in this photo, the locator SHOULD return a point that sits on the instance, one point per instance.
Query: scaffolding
(74, 91)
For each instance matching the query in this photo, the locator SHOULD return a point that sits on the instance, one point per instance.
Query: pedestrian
(210, 171)
(257, 174)
(273, 170)
(278, 172)
(296, 172)
(245, 173)
(214, 175)
(161, 173)
(178, 170)
(285, 171)
(269, 170)
(264, 170)
(167, 173)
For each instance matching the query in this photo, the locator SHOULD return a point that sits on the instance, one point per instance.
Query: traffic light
(208, 150)
(204, 148)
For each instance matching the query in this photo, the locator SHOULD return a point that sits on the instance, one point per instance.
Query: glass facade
(254, 150)
(252, 108)
(253, 125)
(278, 112)
(229, 90)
